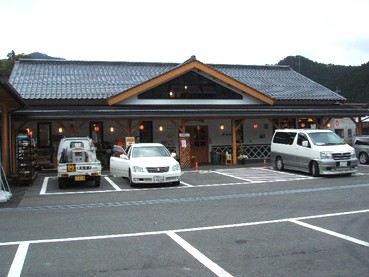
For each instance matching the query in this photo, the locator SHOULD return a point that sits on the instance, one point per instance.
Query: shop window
(199, 137)
(349, 133)
(340, 132)
(96, 131)
(190, 85)
(44, 134)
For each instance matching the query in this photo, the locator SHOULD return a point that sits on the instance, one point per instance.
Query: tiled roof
(279, 82)
(46, 79)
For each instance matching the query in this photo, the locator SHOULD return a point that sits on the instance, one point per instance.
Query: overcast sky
(250, 32)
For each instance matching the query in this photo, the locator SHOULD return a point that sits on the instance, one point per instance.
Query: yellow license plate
(79, 178)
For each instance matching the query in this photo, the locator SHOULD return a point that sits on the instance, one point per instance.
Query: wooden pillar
(4, 139)
(234, 141)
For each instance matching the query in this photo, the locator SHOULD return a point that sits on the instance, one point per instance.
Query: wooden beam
(359, 126)
(126, 129)
(182, 70)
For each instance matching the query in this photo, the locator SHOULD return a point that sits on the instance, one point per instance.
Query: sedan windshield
(150, 151)
(325, 138)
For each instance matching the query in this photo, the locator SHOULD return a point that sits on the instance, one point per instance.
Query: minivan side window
(284, 137)
(301, 137)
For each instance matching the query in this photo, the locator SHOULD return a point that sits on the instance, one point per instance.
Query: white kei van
(318, 152)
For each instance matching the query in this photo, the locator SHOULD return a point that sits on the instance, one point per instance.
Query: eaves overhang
(184, 68)
(13, 95)
(177, 112)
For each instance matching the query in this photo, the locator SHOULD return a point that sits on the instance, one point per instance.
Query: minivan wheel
(279, 164)
(363, 158)
(314, 169)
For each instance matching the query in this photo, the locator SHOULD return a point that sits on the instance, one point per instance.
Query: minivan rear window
(284, 137)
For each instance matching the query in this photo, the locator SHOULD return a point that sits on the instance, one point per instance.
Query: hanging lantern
(141, 127)
(255, 126)
(96, 128)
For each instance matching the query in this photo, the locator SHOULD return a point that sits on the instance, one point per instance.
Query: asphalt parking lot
(225, 221)
(190, 178)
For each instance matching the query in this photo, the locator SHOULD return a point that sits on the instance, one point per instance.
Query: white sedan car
(147, 163)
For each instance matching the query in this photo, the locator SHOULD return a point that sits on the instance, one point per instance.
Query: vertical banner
(185, 149)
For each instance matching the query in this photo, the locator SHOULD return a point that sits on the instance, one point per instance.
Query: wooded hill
(352, 82)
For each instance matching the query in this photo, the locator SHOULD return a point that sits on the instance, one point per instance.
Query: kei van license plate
(79, 178)
(159, 179)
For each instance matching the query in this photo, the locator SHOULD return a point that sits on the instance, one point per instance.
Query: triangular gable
(184, 68)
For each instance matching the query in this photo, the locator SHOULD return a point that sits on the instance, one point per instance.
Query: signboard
(130, 141)
(184, 135)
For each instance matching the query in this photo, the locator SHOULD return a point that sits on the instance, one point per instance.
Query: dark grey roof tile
(45, 79)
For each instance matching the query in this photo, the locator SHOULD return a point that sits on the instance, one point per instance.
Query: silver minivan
(318, 152)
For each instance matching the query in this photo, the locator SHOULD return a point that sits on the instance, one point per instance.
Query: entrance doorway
(199, 143)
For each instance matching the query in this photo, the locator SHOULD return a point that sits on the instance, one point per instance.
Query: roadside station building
(200, 111)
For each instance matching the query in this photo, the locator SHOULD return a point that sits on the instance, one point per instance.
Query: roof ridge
(93, 62)
(276, 66)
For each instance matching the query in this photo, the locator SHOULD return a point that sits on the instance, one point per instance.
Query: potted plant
(242, 158)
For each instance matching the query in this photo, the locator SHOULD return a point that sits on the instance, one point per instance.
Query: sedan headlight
(137, 168)
(326, 155)
(176, 167)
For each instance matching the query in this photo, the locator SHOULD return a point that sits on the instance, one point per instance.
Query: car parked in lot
(147, 163)
(361, 146)
(318, 152)
(77, 161)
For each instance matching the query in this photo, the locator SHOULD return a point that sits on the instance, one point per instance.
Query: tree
(6, 65)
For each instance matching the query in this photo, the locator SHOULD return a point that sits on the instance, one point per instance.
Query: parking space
(190, 178)
(318, 243)
(265, 248)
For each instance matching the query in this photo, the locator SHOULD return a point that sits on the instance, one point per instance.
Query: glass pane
(44, 134)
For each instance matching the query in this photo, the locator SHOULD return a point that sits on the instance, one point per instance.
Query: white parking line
(18, 262)
(112, 184)
(331, 233)
(216, 269)
(44, 185)
(186, 184)
(183, 230)
(261, 175)
(233, 176)
(17, 265)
